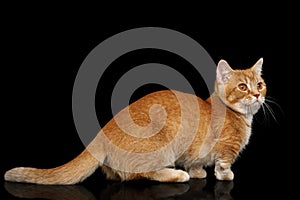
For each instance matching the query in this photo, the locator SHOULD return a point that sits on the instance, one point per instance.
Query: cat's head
(242, 90)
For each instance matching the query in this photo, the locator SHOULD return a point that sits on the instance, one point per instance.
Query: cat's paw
(224, 174)
(197, 173)
(180, 176)
(169, 175)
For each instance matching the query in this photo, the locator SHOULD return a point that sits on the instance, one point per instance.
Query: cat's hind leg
(197, 171)
(168, 175)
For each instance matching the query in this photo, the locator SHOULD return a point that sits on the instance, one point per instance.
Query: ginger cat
(212, 132)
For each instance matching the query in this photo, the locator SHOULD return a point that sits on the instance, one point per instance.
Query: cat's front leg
(223, 170)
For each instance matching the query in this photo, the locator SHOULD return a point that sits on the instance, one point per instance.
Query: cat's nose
(256, 95)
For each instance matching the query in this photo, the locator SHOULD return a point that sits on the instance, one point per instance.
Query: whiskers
(268, 110)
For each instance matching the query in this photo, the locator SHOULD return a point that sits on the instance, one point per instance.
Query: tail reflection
(194, 189)
(30, 191)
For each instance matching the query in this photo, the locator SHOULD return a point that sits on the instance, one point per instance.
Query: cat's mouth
(255, 102)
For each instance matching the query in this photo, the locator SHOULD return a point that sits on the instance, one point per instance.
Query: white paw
(182, 176)
(225, 174)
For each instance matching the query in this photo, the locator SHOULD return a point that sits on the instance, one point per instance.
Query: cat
(223, 128)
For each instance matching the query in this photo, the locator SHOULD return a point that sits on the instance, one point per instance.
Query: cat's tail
(72, 172)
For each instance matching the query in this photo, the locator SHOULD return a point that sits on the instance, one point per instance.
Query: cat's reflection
(194, 189)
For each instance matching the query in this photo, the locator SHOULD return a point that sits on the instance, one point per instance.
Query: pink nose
(256, 95)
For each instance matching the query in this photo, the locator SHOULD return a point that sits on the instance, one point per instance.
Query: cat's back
(155, 119)
(172, 101)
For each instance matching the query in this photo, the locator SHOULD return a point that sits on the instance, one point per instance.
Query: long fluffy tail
(70, 173)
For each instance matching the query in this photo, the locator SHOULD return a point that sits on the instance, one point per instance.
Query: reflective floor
(194, 189)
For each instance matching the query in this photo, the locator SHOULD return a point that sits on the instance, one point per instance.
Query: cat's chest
(248, 131)
(245, 139)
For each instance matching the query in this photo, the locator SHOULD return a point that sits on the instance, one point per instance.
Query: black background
(42, 53)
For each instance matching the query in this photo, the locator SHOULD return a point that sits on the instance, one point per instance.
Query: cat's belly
(187, 161)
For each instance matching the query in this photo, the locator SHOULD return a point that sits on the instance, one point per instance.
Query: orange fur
(221, 149)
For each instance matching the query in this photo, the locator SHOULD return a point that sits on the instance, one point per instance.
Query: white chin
(253, 108)
(247, 109)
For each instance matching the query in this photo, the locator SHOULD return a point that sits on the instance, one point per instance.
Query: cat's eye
(243, 86)
(260, 86)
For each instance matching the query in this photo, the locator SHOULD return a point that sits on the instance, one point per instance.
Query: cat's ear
(257, 67)
(224, 72)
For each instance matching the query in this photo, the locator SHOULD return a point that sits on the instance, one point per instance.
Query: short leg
(223, 162)
(197, 172)
(168, 175)
(223, 171)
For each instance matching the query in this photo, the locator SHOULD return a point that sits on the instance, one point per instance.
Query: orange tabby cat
(222, 127)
